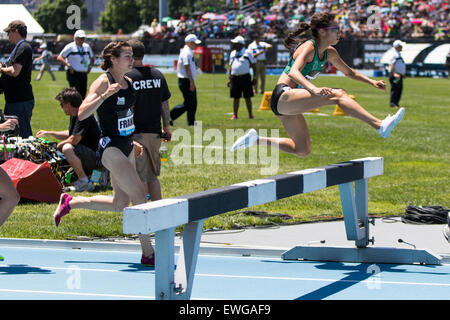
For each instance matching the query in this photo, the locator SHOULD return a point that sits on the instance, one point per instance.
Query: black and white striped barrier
(163, 216)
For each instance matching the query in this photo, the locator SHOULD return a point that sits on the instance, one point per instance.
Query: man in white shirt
(239, 78)
(259, 49)
(397, 71)
(186, 73)
(78, 58)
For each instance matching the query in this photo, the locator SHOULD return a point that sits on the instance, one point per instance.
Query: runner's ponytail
(299, 35)
(305, 31)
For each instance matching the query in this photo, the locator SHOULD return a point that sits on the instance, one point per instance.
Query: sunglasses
(334, 29)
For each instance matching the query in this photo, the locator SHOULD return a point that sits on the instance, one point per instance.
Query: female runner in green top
(295, 94)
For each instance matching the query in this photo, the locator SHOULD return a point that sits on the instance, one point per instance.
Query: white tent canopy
(11, 12)
(438, 55)
(409, 52)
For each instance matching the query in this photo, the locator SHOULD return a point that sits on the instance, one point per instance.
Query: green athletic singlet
(312, 69)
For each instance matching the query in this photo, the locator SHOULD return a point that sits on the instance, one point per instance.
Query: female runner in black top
(111, 95)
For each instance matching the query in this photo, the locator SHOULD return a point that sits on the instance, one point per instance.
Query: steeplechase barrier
(163, 216)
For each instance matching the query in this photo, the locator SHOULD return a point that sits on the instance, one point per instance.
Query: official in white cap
(186, 73)
(259, 49)
(78, 58)
(397, 71)
(239, 78)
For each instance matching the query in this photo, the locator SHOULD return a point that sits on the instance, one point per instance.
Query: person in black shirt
(79, 143)
(16, 78)
(152, 95)
(112, 96)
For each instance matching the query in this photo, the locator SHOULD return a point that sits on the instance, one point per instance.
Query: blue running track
(42, 273)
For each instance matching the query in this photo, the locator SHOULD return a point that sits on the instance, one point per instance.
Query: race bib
(104, 142)
(312, 75)
(120, 101)
(125, 122)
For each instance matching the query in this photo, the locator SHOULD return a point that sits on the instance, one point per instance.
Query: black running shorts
(241, 85)
(276, 94)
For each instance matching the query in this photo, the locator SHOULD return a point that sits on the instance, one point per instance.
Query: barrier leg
(164, 264)
(355, 211)
(355, 208)
(187, 259)
(170, 285)
(362, 210)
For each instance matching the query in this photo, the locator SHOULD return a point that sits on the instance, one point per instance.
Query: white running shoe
(81, 186)
(246, 140)
(390, 122)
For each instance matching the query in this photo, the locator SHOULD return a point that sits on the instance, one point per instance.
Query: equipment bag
(33, 181)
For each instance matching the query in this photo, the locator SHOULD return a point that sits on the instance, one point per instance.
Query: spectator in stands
(78, 58)
(239, 78)
(397, 71)
(396, 19)
(79, 143)
(187, 74)
(16, 78)
(259, 49)
(46, 57)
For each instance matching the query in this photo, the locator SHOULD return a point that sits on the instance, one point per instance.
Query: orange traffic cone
(338, 111)
(265, 102)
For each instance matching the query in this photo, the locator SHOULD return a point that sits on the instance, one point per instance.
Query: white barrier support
(163, 216)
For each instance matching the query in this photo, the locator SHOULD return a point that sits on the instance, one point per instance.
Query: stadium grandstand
(368, 29)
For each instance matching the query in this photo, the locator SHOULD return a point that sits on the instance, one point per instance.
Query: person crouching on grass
(112, 96)
(295, 94)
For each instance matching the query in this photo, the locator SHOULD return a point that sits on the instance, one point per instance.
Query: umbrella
(209, 15)
(165, 19)
(416, 21)
(220, 17)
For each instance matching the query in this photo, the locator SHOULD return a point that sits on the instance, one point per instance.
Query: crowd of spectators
(358, 19)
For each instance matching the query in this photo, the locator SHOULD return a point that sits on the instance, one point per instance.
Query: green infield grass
(416, 156)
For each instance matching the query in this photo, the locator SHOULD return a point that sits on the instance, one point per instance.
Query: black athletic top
(19, 89)
(87, 129)
(151, 90)
(115, 114)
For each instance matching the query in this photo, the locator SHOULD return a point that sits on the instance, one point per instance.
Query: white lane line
(65, 293)
(379, 278)
(369, 280)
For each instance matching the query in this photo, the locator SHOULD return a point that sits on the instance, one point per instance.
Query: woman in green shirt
(295, 94)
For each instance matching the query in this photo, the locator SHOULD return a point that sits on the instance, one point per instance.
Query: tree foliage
(127, 15)
(120, 14)
(52, 15)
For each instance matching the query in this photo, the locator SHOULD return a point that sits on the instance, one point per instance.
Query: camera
(164, 135)
(11, 133)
